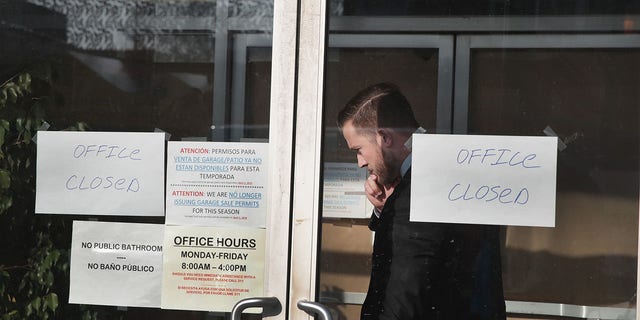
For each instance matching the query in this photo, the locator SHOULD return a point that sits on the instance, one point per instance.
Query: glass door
(135, 66)
(506, 83)
(360, 59)
(584, 90)
(318, 226)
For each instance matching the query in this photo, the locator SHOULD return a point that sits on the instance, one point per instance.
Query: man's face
(369, 152)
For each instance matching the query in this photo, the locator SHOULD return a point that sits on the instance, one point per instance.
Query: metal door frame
(444, 44)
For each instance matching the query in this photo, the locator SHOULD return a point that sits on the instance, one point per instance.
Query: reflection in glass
(258, 88)
(345, 257)
(120, 65)
(590, 99)
(480, 8)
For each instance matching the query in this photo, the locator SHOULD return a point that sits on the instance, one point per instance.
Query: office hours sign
(216, 184)
(211, 268)
(501, 180)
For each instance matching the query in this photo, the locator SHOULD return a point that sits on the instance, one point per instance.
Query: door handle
(270, 306)
(315, 308)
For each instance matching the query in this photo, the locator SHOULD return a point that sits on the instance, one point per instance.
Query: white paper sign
(211, 269)
(216, 183)
(101, 173)
(502, 180)
(118, 264)
(343, 193)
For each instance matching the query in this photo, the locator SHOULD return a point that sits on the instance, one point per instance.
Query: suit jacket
(423, 271)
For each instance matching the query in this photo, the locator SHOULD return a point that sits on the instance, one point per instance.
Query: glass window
(523, 68)
(133, 66)
(589, 97)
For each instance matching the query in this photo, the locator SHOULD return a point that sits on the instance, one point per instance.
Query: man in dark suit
(420, 271)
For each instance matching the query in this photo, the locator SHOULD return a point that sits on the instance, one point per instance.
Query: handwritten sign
(117, 264)
(216, 183)
(102, 173)
(503, 180)
(211, 269)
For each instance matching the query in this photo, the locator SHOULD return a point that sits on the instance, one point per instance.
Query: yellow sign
(211, 268)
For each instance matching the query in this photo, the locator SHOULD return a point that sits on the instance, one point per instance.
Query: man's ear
(385, 137)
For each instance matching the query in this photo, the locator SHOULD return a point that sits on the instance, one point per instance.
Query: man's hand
(376, 193)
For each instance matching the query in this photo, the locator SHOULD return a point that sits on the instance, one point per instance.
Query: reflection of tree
(130, 25)
(34, 270)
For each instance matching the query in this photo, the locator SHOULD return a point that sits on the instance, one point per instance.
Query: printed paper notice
(343, 195)
(100, 173)
(117, 264)
(210, 268)
(216, 184)
(503, 180)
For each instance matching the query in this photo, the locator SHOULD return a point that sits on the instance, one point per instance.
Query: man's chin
(386, 181)
(382, 179)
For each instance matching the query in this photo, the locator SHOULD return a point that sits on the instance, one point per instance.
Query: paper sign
(101, 173)
(343, 193)
(216, 183)
(502, 180)
(211, 269)
(117, 264)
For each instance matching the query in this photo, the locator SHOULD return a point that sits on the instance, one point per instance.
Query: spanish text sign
(216, 183)
(118, 264)
(102, 173)
(343, 196)
(501, 180)
(210, 268)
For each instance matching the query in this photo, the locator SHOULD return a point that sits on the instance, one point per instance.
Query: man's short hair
(379, 106)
